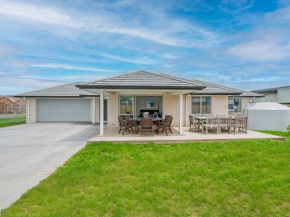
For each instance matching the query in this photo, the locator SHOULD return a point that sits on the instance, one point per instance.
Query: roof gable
(142, 80)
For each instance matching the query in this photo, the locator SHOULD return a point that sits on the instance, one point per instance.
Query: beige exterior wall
(32, 112)
(97, 110)
(246, 100)
(113, 109)
(171, 107)
(188, 110)
(219, 104)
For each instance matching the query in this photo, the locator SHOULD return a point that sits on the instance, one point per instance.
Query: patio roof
(142, 80)
(215, 89)
(66, 90)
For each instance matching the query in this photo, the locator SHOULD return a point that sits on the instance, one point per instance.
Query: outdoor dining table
(203, 118)
(140, 119)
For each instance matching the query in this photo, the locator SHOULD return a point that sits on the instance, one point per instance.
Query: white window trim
(200, 101)
(241, 99)
(133, 104)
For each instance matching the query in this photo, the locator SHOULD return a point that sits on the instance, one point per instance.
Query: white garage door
(63, 110)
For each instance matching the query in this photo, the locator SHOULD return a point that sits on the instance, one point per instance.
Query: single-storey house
(132, 94)
(276, 94)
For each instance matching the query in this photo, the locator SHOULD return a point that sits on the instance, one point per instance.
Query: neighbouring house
(132, 94)
(12, 105)
(277, 94)
(19, 105)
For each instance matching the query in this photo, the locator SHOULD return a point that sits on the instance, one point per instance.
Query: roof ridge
(176, 78)
(112, 77)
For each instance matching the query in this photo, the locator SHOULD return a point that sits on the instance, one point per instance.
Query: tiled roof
(142, 80)
(215, 89)
(67, 90)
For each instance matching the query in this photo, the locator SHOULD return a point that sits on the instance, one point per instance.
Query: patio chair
(165, 126)
(194, 123)
(127, 117)
(146, 124)
(211, 123)
(240, 124)
(191, 122)
(225, 123)
(125, 126)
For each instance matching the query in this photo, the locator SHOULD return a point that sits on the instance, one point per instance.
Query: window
(126, 105)
(201, 105)
(150, 104)
(235, 104)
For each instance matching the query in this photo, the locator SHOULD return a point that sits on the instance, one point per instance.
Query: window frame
(200, 104)
(133, 105)
(241, 102)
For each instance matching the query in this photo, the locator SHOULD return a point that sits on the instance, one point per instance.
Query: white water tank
(267, 116)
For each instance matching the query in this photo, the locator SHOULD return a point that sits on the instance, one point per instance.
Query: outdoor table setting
(140, 119)
(203, 118)
(218, 122)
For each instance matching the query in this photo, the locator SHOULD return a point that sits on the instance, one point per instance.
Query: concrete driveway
(31, 152)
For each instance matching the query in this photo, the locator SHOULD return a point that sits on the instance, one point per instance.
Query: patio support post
(180, 113)
(28, 111)
(101, 112)
(94, 110)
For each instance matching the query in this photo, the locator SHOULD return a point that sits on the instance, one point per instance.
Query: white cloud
(37, 12)
(60, 66)
(82, 77)
(145, 61)
(165, 31)
(7, 50)
(25, 84)
(260, 51)
(169, 56)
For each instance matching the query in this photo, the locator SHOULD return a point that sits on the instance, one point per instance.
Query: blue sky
(239, 43)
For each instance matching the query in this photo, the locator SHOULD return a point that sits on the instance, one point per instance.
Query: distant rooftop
(270, 90)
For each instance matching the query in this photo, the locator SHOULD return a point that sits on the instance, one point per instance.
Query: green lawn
(11, 122)
(240, 178)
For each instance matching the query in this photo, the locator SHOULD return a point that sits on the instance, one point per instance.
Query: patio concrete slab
(111, 135)
(31, 152)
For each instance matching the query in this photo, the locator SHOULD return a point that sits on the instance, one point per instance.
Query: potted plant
(146, 114)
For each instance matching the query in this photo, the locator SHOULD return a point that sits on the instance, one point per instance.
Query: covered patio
(162, 93)
(111, 135)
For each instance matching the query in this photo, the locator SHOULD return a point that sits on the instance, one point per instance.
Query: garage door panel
(69, 110)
